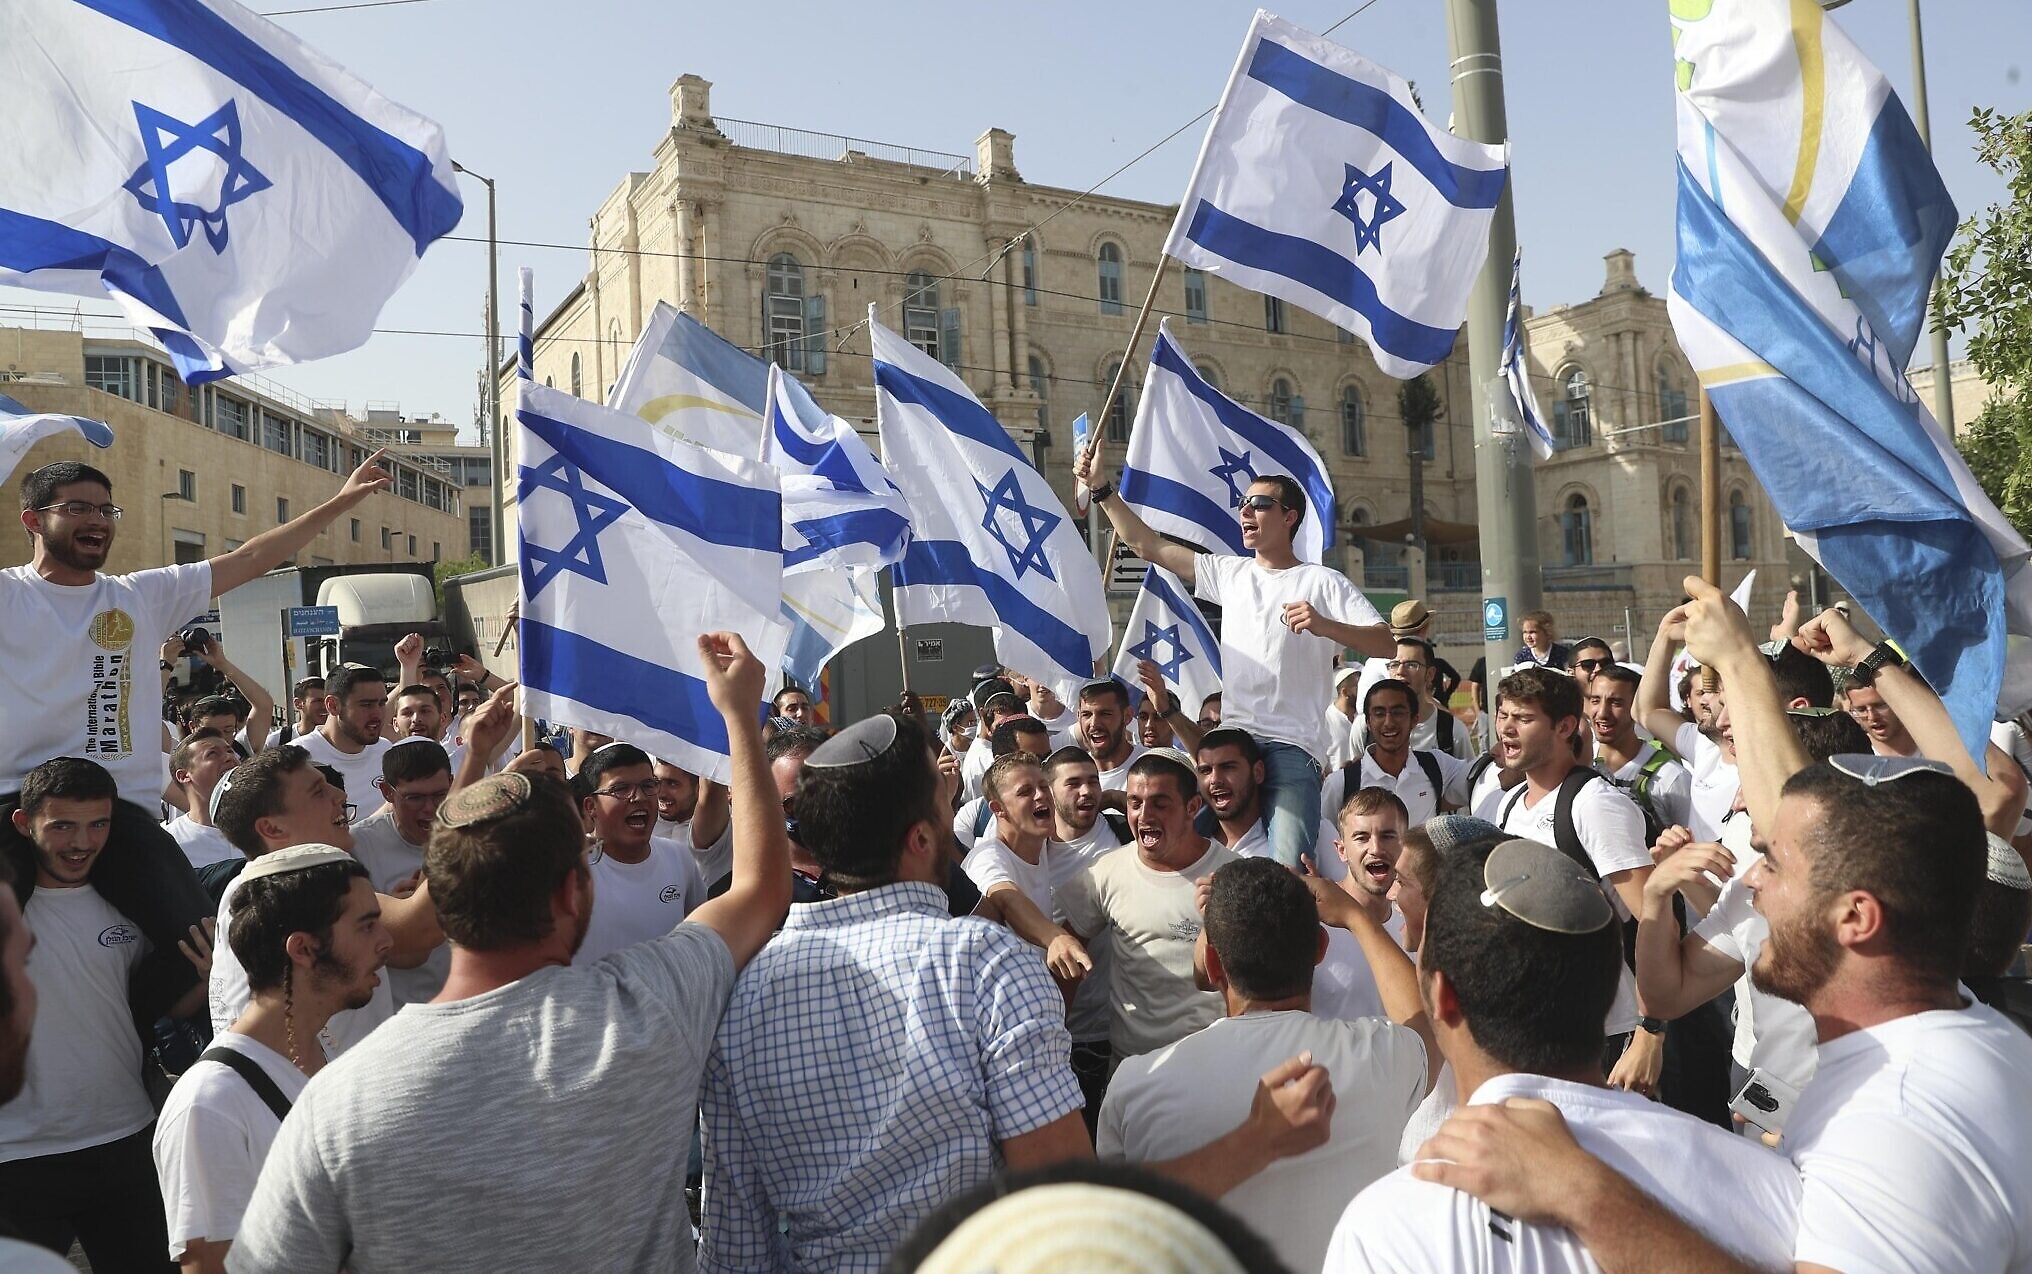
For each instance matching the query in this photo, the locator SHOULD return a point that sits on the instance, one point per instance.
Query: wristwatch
(1102, 493)
(1884, 656)
(165, 665)
(1652, 1025)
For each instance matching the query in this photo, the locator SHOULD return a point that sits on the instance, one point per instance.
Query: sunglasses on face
(1261, 503)
(1592, 665)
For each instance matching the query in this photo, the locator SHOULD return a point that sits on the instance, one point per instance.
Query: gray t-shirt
(443, 1140)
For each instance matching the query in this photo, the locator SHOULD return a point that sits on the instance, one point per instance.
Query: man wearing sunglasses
(1282, 623)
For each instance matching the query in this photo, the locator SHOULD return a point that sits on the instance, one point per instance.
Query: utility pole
(1505, 501)
(492, 394)
(1943, 384)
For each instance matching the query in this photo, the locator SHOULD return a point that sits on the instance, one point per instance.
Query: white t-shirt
(1485, 800)
(211, 1138)
(390, 859)
(229, 993)
(1914, 1147)
(1411, 785)
(202, 845)
(1671, 789)
(79, 678)
(1273, 679)
(359, 770)
(1714, 784)
(992, 863)
(715, 861)
(974, 822)
(83, 1069)
(1340, 737)
(1116, 779)
(1255, 843)
(1772, 1034)
(1065, 726)
(974, 765)
(1611, 829)
(1087, 1017)
(634, 902)
(1149, 920)
(1180, 1098)
(1729, 1189)
(1343, 983)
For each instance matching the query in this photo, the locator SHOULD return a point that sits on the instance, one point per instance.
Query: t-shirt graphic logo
(112, 629)
(117, 936)
(668, 894)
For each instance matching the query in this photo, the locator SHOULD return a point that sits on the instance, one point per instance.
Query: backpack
(1443, 727)
(1352, 775)
(1118, 823)
(1566, 837)
(1639, 789)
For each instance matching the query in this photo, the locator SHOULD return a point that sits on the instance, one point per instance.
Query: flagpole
(525, 371)
(1710, 507)
(1100, 420)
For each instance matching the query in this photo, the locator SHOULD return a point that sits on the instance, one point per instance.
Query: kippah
(1451, 833)
(414, 738)
(1216, 737)
(1544, 888)
(2007, 865)
(1076, 1226)
(486, 800)
(295, 858)
(1172, 754)
(224, 786)
(858, 744)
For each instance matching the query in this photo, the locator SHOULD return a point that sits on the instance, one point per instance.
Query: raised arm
(1768, 750)
(1186, 728)
(408, 669)
(272, 548)
(747, 914)
(710, 815)
(487, 732)
(260, 705)
(1396, 977)
(1653, 708)
(1135, 532)
(1676, 975)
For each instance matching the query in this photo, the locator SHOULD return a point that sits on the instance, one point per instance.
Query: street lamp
(162, 523)
(492, 394)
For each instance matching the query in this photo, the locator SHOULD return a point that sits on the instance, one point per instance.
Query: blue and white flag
(1811, 222)
(21, 428)
(631, 544)
(246, 200)
(990, 543)
(1321, 183)
(687, 380)
(1168, 630)
(840, 510)
(1194, 451)
(1517, 370)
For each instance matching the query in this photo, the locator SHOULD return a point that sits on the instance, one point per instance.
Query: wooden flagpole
(1099, 423)
(1710, 506)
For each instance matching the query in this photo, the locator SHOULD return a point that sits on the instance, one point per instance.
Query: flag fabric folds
(1194, 451)
(631, 544)
(839, 507)
(1168, 630)
(21, 428)
(248, 201)
(1517, 369)
(990, 543)
(1319, 182)
(1811, 222)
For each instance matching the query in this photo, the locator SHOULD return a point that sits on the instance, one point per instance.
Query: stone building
(780, 238)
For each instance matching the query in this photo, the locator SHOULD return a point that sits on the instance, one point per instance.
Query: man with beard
(1428, 781)
(1913, 1142)
(1230, 765)
(308, 927)
(604, 1085)
(1104, 731)
(643, 884)
(694, 814)
(1657, 781)
(356, 701)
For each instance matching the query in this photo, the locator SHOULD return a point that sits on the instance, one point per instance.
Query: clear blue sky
(558, 99)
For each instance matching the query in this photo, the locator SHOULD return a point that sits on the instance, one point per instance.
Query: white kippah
(1076, 1226)
(2007, 865)
(296, 858)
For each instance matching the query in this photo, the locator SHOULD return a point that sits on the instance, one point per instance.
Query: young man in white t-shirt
(694, 814)
(1011, 856)
(1708, 748)
(307, 928)
(1368, 838)
(1427, 780)
(201, 759)
(1230, 765)
(1261, 941)
(1283, 623)
(1637, 765)
(350, 739)
(643, 884)
(416, 776)
(1104, 731)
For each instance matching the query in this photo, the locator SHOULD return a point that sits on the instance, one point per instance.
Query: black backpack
(1118, 823)
(1426, 761)
(1566, 838)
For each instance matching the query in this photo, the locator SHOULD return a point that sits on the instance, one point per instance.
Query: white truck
(377, 605)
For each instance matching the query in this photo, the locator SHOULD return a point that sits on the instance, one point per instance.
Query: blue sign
(1495, 619)
(312, 621)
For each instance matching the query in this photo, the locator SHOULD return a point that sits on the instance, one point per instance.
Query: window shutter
(814, 335)
(1560, 428)
(1298, 412)
(949, 336)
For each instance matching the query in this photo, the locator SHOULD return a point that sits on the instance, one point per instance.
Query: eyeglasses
(629, 791)
(83, 509)
(1870, 770)
(1263, 502)
(1407, 665)
(1592, 665)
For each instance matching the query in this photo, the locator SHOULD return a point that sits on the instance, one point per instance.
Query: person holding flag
(1282, 622)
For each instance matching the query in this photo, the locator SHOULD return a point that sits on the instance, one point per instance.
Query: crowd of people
(1644, 967)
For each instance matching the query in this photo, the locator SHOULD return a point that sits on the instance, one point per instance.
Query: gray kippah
(1450, 833)
(2007, 865)
(858, 744)
(482, 802)
(1173, 754)
(224, 785)
(1544, 888)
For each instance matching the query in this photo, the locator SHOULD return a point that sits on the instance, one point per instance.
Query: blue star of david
(594, 513)
(1036, 523)
(1153, 637)
(1237, 472)
(217, 134)
(1384, 209)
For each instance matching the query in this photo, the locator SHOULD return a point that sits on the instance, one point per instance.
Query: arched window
(1039, 385)
(785, 331)
(1672, 403)
(1681, 506)
(1739, 527)
(577, 385)
(1352, 441)
(549, 383)
(1572, 412)
(1280, 401)
(1208, 374)
(923, 324)
(1111, 279)
(1577, 532)
(1123, 411)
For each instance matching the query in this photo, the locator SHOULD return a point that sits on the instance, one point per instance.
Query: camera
(195, 640)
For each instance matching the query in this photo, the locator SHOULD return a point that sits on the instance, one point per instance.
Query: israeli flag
(631, 544)
(1811, 222)
(1319, 182)
(1517, 370)
(840, 510)
(1194, 451)
(990, 543)
(689, 381)
(1168, 630)
(247, 201)
(21, 428)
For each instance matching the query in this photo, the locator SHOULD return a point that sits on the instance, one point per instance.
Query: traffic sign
(311, 621)
(1125, 570)
(1495, 619)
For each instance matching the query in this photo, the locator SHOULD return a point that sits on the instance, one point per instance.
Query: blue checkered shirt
(873, 1057)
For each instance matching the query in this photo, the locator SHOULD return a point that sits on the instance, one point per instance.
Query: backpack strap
(1430, 764)
(1478, 767)
(1647, 774)
(1117, 823)
(1566, 837)
(250, 1070)
(1443, 727)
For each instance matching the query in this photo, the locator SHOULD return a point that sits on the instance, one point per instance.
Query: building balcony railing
(1466, 577)
(1569, 579)
(834, 146)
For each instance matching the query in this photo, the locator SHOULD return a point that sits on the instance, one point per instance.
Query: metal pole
(491, 397)
(1943, 383)
(1506, 503)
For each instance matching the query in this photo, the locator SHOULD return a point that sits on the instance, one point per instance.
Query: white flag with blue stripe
(1517, 369)
(632, 543)
(686, 379)
(1194, 451)
(1168, 630)
(1321, 183)
(1811, 222)
(21, 428)
(840, 510)
(246, 200)
(990, 543)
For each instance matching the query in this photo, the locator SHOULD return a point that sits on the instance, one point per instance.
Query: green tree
(1418, 408)
(444, 568)
(1986, 289)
